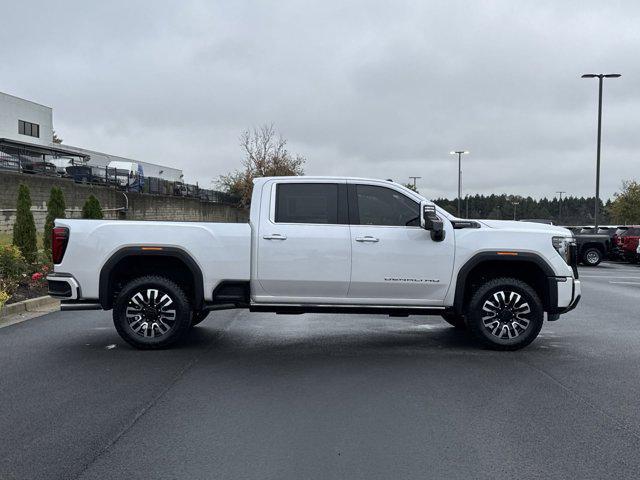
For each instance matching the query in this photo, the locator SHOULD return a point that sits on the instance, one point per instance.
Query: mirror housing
(429, 220)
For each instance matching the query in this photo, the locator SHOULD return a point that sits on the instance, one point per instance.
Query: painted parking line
(609, 276)
(627, 283)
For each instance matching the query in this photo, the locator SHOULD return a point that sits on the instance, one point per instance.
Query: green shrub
(92, 208)
(24, 229)
(4, 296)
(55, 209)
(12, 263)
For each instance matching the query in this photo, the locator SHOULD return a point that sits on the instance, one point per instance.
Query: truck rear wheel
(505, 314)
(592, 257)
(151, 312)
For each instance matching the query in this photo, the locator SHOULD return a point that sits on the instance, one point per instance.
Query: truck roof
(322, 177)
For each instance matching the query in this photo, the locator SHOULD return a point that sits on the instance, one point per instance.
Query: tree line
(569, 211)
(265, 154)
(623, 209)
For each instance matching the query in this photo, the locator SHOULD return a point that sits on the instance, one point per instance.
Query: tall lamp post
(459, 153)
(515, 204)
(560, 192)
(414, 182)
(600, 77)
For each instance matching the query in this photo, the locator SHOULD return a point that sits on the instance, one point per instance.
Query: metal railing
(111, 178)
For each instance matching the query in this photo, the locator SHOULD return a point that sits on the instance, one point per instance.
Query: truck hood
(529, 226)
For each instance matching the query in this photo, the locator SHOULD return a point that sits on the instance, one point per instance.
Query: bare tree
(265, 155)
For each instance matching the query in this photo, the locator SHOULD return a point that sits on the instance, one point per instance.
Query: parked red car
(628, 243)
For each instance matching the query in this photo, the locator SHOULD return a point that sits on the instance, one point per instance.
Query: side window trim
(354, 215)
(342, 203)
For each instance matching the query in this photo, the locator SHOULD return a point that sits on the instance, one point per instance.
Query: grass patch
(7, 238)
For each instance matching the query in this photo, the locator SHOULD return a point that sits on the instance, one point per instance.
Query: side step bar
(79, 306)
(392, 310)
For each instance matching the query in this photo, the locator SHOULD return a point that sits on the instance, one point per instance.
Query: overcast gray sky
(366, 88)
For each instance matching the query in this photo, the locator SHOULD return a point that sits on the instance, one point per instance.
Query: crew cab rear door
(304, 245)
(394, 260)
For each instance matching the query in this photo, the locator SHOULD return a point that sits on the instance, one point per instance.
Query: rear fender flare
(106, 290)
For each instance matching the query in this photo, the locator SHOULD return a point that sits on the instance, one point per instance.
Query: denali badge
(411, 280)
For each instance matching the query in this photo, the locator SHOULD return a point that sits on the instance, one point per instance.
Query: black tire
(145, 322)
(198, 317)
(505, 330)
(454, 320)
(592, 257)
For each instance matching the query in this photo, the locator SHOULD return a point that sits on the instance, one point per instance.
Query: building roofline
(47, 149)
(117, 158)
(26, 100)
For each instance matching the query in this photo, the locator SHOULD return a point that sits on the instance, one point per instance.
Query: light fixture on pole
(459, 153)
(515, 201)
(600, 77)
(414, 182)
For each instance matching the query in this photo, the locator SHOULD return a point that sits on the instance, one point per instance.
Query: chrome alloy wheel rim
(150, 313)
(592, 257)
(505, 313)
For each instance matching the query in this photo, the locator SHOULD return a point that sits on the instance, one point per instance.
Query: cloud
(360, 88)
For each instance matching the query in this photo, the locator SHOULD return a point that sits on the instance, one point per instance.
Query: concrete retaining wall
(141, 206)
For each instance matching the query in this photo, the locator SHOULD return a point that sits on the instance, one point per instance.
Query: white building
(25, 121)
(26, 131)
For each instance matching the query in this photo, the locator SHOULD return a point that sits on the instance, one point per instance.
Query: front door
(304, 246)
(394, 260)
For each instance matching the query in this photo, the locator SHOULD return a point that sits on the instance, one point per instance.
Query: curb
(31, 305)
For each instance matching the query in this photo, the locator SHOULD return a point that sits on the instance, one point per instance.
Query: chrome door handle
(367, 238)
(275, 236)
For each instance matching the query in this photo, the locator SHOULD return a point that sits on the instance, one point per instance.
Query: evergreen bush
(92, 208)
(55, 209)
(24, 228)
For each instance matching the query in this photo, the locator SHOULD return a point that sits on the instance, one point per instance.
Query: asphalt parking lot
(327, 396)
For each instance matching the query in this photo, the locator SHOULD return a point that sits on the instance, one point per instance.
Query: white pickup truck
(320, 244)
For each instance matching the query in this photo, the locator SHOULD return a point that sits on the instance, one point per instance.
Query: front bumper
(567, 292)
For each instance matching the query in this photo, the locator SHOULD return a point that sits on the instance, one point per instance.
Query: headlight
(562, 244)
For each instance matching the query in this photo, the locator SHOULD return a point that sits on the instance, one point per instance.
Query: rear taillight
(59, 240)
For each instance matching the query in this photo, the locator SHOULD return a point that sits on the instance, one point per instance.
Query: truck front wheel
(505, 314)
(151, 312)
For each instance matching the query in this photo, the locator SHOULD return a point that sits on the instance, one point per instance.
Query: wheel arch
(532, 268)
(171, 262)
(596, 245)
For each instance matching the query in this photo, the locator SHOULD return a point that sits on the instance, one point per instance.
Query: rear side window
(384, 206)
(307, 203)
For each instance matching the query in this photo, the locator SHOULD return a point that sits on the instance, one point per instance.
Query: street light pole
(515, 204)
(600, 77)
(560, 192)
(414, 182)
(459, 153)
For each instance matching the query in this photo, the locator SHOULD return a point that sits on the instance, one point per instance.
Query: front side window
(384, 206)
(307, 203)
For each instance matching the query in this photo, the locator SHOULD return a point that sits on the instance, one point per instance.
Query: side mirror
(430, 221)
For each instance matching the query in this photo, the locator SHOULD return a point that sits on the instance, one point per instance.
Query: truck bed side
(221, 250)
